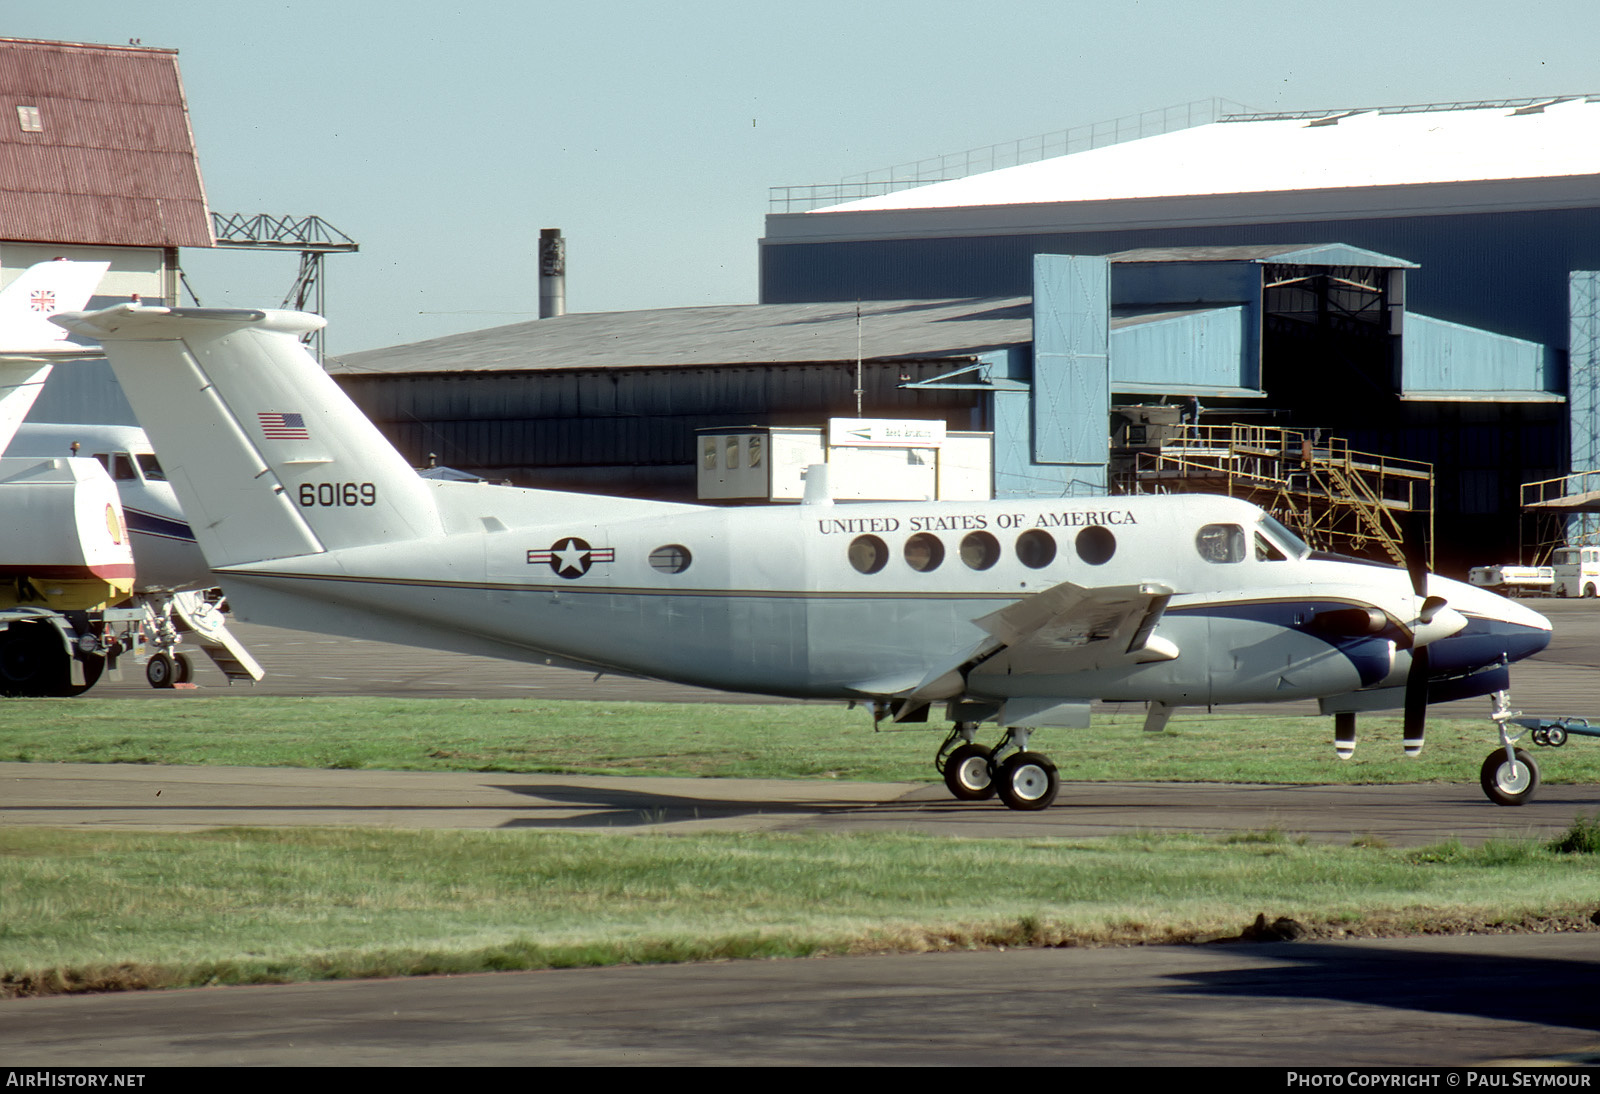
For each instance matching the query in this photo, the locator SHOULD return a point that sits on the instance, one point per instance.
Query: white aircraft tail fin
(268, 457)
(28, 340)
(39, 292)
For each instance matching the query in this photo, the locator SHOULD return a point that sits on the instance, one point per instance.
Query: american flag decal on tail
(283, 426)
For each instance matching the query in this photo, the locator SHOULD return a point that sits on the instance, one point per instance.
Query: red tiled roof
(113, 161)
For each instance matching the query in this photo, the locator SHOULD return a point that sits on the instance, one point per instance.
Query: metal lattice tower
(312, 236)
(1583, 385)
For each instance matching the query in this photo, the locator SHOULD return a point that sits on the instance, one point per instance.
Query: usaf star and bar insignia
(571, 557)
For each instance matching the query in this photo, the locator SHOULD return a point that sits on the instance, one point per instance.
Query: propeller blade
(1415, 726)
(1344, 735)
(1416, 550)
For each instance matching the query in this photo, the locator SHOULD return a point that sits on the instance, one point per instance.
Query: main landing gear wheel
(1509, 783)
(966, 773)
(159, 671)
(182, 668)
(1027, 781)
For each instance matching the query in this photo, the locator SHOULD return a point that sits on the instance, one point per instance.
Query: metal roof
(737, 334)
(1302, 254)
(1393, 146)
(96, 148)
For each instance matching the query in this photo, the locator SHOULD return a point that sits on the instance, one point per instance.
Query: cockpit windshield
(1296, 547)
(151, 467)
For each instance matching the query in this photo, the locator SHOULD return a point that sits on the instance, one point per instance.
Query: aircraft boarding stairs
(1337, 499)
(203, 622)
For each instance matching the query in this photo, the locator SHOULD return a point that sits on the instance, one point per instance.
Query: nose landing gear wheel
(1508, 783)
(966, 773)
(1027, 781)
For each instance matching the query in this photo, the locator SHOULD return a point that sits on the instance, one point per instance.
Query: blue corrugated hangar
(1492, 211)
(1369, 290)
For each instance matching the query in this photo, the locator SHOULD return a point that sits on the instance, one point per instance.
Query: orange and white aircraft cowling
(63, 541)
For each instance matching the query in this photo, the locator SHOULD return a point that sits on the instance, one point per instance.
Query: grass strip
(101, 911)
(791, 741)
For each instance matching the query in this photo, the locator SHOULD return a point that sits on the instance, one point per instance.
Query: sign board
(884, 433)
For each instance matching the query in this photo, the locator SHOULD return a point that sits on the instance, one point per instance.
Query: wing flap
(1067, 628)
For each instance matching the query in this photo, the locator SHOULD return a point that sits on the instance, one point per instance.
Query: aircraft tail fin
(28, 340)
(268, 457)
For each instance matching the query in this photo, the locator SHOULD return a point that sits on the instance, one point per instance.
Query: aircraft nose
(1497, 630)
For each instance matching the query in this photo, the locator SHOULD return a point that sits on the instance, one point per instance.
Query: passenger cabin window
(674, 558)
(869, 554)
(1221, 543)
(924, 552)
(980, 550)
(1096, 544)
(1036, 549)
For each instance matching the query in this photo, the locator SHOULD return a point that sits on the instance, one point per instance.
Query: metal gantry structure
(312, 236)
(1337, 499)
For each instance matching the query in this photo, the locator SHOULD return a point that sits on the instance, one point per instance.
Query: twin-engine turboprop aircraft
(1018, 612)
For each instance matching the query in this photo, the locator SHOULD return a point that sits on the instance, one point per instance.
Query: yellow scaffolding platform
(1337, 499)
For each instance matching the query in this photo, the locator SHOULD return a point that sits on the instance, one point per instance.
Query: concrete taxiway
(1394, 1002)
(1403, 1002)
(129, 796)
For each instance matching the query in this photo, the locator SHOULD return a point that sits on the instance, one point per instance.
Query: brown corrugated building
(97, 161)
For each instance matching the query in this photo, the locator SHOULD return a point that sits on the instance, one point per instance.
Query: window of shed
(755, 451)
(711, 454)
(1220, 543)
(733, 453)
(29, 119)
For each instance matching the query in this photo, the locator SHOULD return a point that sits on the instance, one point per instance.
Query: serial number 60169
(337, 493)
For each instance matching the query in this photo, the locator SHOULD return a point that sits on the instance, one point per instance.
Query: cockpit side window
(1267, 551)
(122, 467)
(150, 467)
(1220, 543)
(1280, 536)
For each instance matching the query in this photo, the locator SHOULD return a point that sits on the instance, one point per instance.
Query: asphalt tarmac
(1467, 1001)
(1398, 1003)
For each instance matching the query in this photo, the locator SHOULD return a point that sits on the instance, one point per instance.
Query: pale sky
(442, 136)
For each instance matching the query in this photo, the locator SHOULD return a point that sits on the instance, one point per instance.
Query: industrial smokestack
(552, 273)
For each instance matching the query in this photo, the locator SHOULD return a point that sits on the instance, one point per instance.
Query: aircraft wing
(1067, 628)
